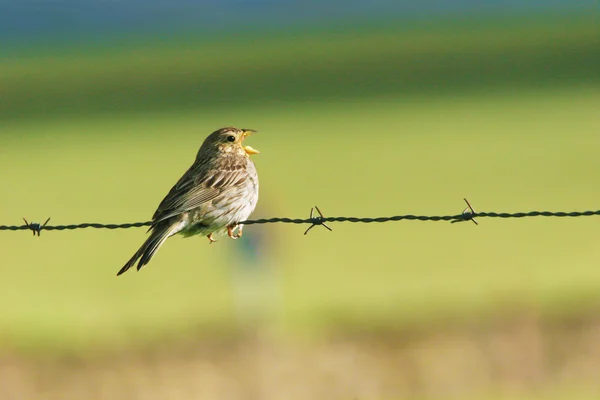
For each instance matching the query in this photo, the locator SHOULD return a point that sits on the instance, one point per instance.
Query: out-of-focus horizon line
(32, 21)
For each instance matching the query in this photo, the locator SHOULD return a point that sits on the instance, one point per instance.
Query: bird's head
(229, 140)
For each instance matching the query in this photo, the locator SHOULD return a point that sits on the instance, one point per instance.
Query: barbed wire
(468, 214)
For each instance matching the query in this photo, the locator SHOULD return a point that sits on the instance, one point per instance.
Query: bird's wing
(194, 190)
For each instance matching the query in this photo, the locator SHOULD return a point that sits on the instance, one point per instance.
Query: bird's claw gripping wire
(317, 220)
(35, 227)
(468, 214)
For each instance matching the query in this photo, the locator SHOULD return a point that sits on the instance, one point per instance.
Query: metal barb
(467, 214)
(317, 220)
(35, 227)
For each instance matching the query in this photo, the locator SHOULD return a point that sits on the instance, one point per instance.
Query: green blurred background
(371, 116)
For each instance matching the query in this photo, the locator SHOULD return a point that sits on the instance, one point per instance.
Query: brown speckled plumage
(217, 192)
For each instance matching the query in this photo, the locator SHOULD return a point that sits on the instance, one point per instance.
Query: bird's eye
(231, 138)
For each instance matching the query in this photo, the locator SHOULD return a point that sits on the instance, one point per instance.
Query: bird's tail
(158, 236)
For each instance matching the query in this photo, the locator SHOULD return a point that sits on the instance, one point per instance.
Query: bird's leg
(231, 229)
(210, 238)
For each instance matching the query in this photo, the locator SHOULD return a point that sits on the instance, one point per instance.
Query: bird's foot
(231, 229)
(211, 239)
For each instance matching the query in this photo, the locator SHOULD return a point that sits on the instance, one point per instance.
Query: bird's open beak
(248, 149)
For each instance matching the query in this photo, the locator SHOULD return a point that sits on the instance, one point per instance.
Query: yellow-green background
(369, 121)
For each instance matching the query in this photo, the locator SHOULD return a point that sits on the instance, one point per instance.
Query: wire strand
(468, 214)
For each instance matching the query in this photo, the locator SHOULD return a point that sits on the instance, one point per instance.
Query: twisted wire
(468, 215)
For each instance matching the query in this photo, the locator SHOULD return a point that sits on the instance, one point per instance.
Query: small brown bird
(217, 192)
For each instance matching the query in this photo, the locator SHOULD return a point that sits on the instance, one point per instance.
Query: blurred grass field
(369, 158)
(412, 125)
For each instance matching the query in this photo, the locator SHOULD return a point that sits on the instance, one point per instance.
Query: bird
(213, 196)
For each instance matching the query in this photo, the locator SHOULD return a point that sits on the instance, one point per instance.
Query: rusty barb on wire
(468, 214)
